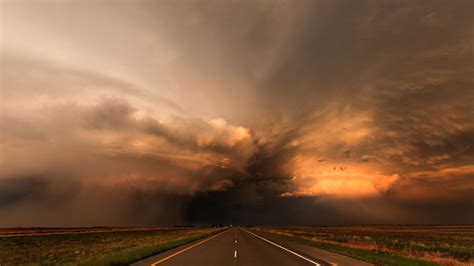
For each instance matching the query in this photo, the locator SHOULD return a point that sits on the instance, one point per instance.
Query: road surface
(240, 246)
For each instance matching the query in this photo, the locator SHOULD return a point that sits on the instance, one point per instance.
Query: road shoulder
(332, 258)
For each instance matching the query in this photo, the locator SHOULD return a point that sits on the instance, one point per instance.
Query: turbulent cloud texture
(255, 112)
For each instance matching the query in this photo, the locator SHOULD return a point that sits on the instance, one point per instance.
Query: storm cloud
(250, 112)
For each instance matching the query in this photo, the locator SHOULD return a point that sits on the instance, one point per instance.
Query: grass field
(91, 246)
(390, 245)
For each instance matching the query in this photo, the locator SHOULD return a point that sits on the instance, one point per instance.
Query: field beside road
(96, 246)
(390, 245)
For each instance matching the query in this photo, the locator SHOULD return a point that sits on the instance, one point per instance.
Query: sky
(141, 113)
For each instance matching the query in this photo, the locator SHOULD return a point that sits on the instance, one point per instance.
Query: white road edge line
(235, 253)
(294, 253)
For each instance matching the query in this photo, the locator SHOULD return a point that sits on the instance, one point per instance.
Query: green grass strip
(129, 256)
(110, 248)
(376, 257)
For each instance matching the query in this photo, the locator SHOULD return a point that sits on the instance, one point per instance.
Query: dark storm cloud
(14, 190)
(340, 46)
(255, 204)
(410, 65)
(258, 202)
(268, 112)
(434, 124)
(50, 201)
(138, 168)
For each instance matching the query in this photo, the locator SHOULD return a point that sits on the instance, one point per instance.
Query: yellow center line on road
(188, 248)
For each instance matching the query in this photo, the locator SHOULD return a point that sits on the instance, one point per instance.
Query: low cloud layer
(160, 113)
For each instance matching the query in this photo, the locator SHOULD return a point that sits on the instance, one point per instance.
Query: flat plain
(380, 245)
(91, 246)
(389, 245)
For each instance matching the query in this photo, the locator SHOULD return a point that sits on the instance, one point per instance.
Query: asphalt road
(238, 246)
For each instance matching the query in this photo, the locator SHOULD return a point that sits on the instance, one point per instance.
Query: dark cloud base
(253, 201)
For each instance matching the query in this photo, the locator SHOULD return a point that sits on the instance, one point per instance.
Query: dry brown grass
(445, 245)
(87, 247)
(25, 231)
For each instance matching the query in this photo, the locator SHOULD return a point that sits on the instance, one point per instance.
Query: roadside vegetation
(94, 248)
(390, 245)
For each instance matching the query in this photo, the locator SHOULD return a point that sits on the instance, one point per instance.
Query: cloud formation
(152, 112)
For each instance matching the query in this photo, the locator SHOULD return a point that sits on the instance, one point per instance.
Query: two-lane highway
(235, 246)
(257, 250)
